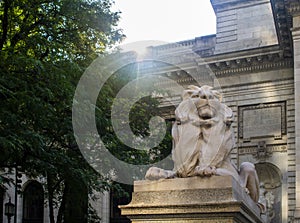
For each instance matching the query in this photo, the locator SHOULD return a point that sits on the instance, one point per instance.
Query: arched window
(33, 203)
(270, 191)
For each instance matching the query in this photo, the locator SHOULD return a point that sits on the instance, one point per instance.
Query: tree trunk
(61, 209)
(50, 197)
(76, 206)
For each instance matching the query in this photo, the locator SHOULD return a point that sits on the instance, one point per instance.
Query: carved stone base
(217, 199)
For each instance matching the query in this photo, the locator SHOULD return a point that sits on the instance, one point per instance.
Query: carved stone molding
(251, 64)
(267, 149)
(293, 7)
(283, 23)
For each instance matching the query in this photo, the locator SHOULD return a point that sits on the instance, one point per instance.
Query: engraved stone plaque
(262, 122)
(265, 120)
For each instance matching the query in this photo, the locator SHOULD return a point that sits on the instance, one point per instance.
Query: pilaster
(295, 11)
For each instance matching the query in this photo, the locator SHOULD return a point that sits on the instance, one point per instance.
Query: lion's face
(206, 100)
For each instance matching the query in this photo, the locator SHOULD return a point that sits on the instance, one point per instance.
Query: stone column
(105, 206)
(296, 42)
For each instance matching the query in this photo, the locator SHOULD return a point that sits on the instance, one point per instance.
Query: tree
(140, 114)
(45, 46)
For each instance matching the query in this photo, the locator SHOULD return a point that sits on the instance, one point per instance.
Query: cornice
(222, 65)
(293, 6)
(251, 64)
(283, 23)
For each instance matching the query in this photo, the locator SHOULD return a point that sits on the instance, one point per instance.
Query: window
(33, 203)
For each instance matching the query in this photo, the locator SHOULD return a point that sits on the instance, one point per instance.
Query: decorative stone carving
(262, 152)
(250, 64)
(270, 191)
(269, 150)
(203, 140)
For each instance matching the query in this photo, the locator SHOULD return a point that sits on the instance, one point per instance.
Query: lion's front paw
(155, 173)
(205, 172)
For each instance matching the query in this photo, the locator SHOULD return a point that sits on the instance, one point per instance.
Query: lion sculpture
(203, 140)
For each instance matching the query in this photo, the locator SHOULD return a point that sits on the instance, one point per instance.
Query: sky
(165, 20)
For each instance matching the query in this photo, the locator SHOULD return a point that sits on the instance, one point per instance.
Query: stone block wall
(243, 25)
(251, 89)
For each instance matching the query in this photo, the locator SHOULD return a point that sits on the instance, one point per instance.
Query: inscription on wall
(269, 149)
(264, 120)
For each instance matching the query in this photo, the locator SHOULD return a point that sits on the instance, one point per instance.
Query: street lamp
(9, 210)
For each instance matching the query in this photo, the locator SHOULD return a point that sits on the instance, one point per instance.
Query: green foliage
(44, 48)
(59, 29)
(138, 119)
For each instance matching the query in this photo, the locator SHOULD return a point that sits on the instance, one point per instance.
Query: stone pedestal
(217, 199)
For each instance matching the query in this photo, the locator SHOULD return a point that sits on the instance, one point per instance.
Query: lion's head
(207, 103)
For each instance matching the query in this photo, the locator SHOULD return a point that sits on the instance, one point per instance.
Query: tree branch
(4, 24)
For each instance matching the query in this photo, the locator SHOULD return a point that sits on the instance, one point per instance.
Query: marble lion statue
(203, 140)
